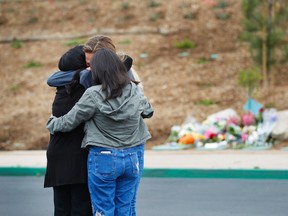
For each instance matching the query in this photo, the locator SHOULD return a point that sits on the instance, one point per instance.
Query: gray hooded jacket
(113, 123)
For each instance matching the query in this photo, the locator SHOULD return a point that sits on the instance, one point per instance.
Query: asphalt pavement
(182, 183)
(163, 197)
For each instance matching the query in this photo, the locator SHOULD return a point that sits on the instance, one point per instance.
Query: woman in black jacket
(66, 169)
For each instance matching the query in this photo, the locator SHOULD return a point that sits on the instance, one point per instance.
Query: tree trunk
(264, 46)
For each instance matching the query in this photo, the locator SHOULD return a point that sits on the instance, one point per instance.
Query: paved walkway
(186, 159)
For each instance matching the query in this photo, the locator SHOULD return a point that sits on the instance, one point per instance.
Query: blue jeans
(113, 176)
(140, 153)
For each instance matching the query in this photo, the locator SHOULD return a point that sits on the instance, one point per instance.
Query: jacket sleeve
(82, 111)
(86, 78)
(60, 78)
(148, 111)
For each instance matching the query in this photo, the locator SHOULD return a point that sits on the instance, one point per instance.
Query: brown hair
(97, 42)
(109, 71)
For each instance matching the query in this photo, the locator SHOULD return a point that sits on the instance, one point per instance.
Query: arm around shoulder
(60, 78)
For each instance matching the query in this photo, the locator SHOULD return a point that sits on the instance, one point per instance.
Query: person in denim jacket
(113, 111)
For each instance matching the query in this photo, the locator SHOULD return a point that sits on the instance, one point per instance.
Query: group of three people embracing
(95, 155)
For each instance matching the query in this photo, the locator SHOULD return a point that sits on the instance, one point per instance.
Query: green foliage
(223, 16)
(32, 20)
(125, 5)
(269, 105)
(153, 3)
(249, 79)
(125, 42)
(222, 4)
(75, 42)
(201, 60)
(275, 24)
(82, 1)
(32, 64)
(206, 102)
(155, 17)
(15, 88)
(190, 16)
(185, 44)
(220, 10)
(16, 44)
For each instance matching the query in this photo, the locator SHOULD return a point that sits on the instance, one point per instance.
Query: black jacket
(66, 161)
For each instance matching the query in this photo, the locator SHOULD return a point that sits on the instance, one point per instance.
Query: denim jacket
(114, 123)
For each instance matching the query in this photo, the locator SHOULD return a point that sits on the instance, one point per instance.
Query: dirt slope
(175, 80)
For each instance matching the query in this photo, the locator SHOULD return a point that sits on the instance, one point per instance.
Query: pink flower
(232, 120)
(244, 137)
(248, 119)
(209, 134)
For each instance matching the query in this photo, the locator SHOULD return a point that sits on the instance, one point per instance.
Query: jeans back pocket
(105, 164)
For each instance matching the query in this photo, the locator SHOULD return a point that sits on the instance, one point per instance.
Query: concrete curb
(269, 164)
(171, 173)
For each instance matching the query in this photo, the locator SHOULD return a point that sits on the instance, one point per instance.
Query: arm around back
(83, 110)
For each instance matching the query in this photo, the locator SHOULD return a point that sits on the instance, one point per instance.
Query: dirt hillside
(34, 34)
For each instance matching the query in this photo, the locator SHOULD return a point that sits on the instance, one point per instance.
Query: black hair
(110, 72)
(73, 59)
(74, 83)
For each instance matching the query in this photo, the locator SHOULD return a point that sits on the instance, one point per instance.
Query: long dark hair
(110, 72)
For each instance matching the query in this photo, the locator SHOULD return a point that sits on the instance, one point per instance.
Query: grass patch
(125, 42)
(190, 16)
(222, 16)
(201, 60)
(185, 44)
(153, 3)
(206, 102)
(15, 88)
(32, 20)
(269, 105)
(125, 5)
(154, 17)
(75, 42)
(16, 44)
(32, 64)
(222, 5)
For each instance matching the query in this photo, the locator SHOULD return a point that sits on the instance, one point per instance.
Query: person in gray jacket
(113, 111)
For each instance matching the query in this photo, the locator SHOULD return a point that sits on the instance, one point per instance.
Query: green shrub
(206, 102)
(222, 4)
(185, 44)
(153, 3)
(75, 42)
(15, 88)
(222, 16)
(249, 79)
(154, 17)
(125, 42)
(201, 60)
(125, 5)
(190, 16)
(16, 44)
(32, 64)
(32, 20)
